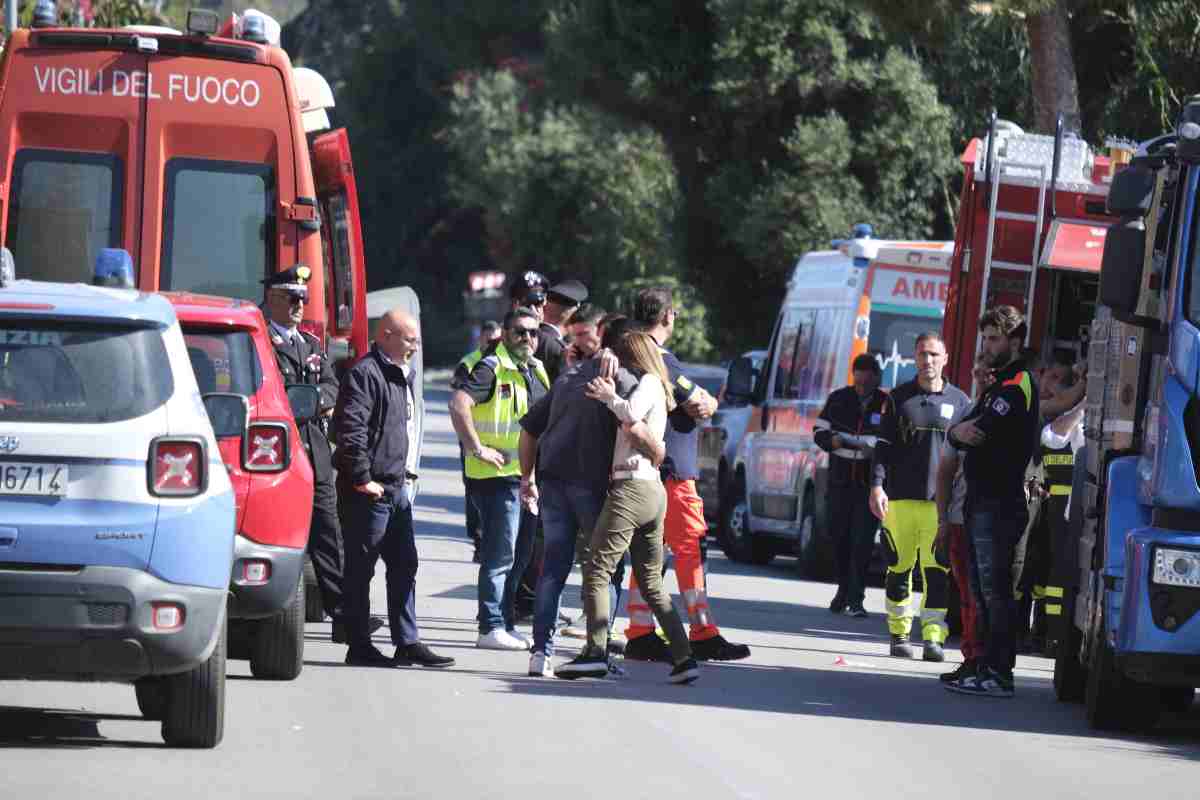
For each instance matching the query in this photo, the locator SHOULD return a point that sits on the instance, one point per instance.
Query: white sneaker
(522, 638)
(500, 639)
(540, 666)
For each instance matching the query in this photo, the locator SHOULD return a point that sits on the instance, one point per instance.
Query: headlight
(1177, 567)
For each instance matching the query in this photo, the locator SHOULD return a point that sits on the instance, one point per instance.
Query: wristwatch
(478, 452)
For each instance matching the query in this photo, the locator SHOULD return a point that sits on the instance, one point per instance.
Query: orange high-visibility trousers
(682, 530)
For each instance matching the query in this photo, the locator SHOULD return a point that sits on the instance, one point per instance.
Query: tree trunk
(1055, 87)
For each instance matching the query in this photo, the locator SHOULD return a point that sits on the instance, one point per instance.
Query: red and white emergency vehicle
(204, 154)
(1031, 228)
(866, 296)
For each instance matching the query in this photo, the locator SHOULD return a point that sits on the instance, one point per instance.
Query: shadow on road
(48, 727)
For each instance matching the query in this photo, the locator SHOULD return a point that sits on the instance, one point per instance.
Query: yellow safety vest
(497, 420)
(471, 359)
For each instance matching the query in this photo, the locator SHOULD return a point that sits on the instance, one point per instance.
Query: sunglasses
(294, 297)
(527, 333)
(537, 299)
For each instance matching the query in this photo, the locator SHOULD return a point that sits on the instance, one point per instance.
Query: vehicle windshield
(66, 207)
(218, 227)
(893, 340)
(224, 361)
(80, 373)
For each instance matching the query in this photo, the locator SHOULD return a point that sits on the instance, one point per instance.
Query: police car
(116, 513)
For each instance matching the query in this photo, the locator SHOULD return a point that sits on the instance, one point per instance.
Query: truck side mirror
(227, 413)
(739, 385)
(305, 400)
(1121, 267)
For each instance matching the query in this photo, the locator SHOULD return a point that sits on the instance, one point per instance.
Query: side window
(802, 358)
(218, 227)
(66, 207)
(824, 370)
(338, 260)
(785, 353)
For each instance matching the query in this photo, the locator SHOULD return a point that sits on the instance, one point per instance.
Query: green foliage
(565, 189)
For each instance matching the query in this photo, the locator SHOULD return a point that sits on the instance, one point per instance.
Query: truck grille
(773, 506)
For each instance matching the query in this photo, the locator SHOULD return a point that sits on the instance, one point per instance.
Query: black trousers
(380, 529)
(325, 546)
(853, 528)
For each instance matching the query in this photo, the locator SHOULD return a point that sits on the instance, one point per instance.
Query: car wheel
(806, 540)
(195, 709)
(313, 610)
(151, 697)
(1114, 702)
(1178, 699)
(277, 650)
(1070, 677)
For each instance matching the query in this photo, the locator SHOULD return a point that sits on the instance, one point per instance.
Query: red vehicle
(207, 157)
(1031, 229)
(231, 353)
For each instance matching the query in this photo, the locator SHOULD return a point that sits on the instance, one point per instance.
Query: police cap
(294, 281)
(527, 282)
(567, 293)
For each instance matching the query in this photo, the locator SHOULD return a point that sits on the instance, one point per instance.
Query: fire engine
(203, 153)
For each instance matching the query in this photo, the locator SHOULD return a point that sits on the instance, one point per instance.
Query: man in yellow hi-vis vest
(489, 337)
(486, 410)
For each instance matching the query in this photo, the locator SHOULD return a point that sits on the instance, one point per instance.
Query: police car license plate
(42, 479)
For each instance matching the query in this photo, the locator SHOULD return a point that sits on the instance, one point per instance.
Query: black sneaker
(838, 604)
(900, 646)
(647, 647)
(685, 671)
(964, 670)
(858, 612)
(420, 655)
(370, 657)
(718, 649)
(986, 683)
(588, 664)
(933, 652)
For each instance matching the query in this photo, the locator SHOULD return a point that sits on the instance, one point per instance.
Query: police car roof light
(45, 14)
(202, 21)
(8, 268)
(114, 268)
(260, 28)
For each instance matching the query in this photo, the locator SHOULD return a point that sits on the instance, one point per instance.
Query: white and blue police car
(116, 514)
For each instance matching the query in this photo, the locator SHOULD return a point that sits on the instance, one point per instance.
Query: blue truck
(1129, 644)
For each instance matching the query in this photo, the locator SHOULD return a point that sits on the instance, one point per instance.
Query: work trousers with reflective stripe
(960, 568)
(684, 527)
(910, 528)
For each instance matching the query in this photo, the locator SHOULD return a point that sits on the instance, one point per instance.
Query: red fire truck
(203, 153)
(1031, 228)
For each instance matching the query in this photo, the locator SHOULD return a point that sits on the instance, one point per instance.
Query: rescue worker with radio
(845, 429)
(912, 430)
(302, 359)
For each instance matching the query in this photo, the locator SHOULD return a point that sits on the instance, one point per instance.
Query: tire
(151, 697)
(195, 710)
(1114, 702)
(807, 553)
(277, 649)
(737, 540)
(1178, 699)
(313, 610)
(1070, 677)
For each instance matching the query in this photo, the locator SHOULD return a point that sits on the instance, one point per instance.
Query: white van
(867, 295)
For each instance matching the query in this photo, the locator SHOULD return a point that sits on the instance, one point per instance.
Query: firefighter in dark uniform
(847, 429)
(302, 359)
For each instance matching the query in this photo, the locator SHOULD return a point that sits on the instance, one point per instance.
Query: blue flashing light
(45, 14)
(114, 268)
(254, 29)
(863, 231)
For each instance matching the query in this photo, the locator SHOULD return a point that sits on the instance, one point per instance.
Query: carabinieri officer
(302, 359)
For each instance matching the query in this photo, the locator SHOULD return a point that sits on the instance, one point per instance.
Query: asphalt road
(819, 710)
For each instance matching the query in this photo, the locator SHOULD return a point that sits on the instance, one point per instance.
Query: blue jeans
(505, 544)
(566, 508)
(993, 530)
(375, 529)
